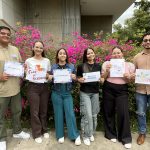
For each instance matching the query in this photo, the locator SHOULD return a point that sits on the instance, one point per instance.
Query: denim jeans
(142, 102)
(89, 107)
(63, 109)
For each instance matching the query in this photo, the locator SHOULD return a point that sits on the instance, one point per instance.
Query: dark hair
(148, 33)
(4, 27)
(43, 53)
(56, 58)
(85, 54)
(119, 47)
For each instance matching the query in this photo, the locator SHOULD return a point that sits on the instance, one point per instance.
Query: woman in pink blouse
(115, 101)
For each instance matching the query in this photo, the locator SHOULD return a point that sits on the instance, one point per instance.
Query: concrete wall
(71, 17)
(1, 13)
(59, 17)
(91, 24)
(45, 15)
(12, 11)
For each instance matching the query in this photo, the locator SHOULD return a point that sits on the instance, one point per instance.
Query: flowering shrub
(75, 44)
(24, 38)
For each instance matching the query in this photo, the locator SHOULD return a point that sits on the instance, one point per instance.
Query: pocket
(82, 108)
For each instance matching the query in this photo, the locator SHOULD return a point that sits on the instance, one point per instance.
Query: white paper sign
(142, 76)
(91, 76)
(62, 75)
(117, 67)
(14, 69)
(36, 76)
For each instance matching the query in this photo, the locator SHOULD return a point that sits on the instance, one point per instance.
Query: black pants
(38, 96)
(116, 115)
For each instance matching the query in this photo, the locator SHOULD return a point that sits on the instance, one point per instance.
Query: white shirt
(42, 65)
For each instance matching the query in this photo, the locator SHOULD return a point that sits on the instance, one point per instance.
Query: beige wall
(91, 24)
(1, 9)
(12, 11)
(45, 15)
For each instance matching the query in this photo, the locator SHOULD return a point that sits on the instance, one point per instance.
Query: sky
(127, 14)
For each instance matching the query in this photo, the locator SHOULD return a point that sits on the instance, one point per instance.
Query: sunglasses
(146, 40)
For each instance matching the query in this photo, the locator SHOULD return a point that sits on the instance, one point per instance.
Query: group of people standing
(114, 101)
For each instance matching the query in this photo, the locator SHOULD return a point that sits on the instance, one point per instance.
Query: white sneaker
(114, 140)
(92, 138)
(3, 145)
(46, 135)
(128, 145)
(78, 141)
(87, 141)
(61, 140)
(22, 135)
(38, 140)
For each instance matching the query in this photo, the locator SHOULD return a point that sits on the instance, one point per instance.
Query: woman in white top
(37, 93)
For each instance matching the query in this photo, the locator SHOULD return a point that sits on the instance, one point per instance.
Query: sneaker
(46, 135)
(38, 140)
(92, 138)
(114, 140)
(3, 145)
(87, 141)
(127, 146)
(22, 135)
(61, 140)
(78, 141)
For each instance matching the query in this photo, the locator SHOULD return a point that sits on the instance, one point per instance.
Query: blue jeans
(89, 107)
(142, 102)
(63, 109)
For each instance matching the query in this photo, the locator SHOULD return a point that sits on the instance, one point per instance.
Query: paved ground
(100, 143)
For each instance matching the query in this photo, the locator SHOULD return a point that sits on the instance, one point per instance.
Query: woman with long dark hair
(62, 99)
(38, 92)
(89, 96)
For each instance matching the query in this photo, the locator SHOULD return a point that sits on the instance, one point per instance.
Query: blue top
(63, 87)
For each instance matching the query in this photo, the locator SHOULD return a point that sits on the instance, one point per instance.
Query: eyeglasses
(3, 33)
(146, 40)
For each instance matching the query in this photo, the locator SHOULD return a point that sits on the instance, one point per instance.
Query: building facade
(61, 17)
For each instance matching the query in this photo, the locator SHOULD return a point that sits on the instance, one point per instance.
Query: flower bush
(75, 44)
(24, 38)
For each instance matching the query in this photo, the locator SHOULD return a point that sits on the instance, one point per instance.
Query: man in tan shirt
(142, 61)
(9, 89)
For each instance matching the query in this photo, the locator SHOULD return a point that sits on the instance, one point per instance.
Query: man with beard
(142, 61)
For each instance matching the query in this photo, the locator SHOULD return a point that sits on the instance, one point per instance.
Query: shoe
(114, 140)
(22, 135)
(46, 135)
(128, 145)
(87, 141)
(3, 145)
(38, 140)
(92, 138)
(61, 140)
(78, 141)
(141, 139)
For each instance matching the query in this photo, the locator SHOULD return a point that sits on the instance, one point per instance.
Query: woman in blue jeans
(89, 96)
(62, 99)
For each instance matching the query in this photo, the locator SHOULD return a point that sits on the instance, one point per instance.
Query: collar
(66, 65)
